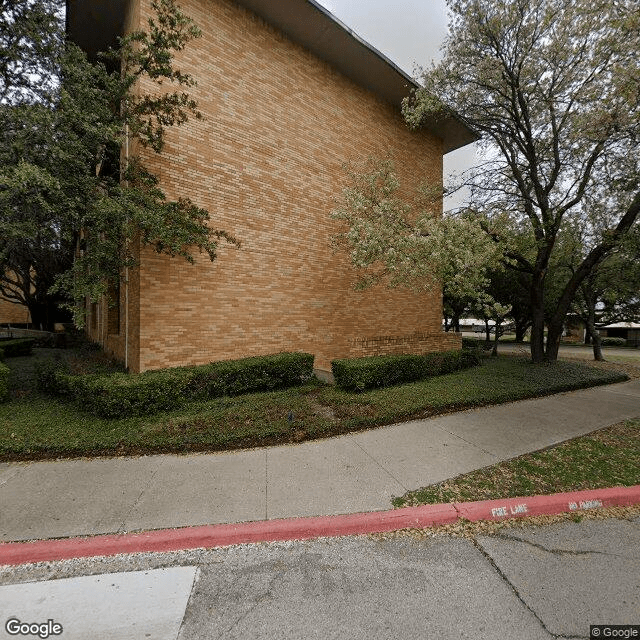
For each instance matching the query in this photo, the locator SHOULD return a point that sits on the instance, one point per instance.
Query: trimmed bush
(613, 342)
(476, 346)
(359, 374)
(17, 347)
(260, 373)
(471, 344)
(52, 376)
(4, 382)
(122, 395)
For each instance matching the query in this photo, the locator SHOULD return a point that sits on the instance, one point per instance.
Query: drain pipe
(126, 269)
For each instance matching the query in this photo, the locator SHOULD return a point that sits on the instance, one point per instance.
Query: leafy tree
(552, 86)
(31, 35)
(611, 292)
(408, 244)
(453, 309)
(63, 186)
(510, 287)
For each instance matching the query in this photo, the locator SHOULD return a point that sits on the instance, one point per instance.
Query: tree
(31, 36)
(34, 250)
(64, 185)
(553, 88)
(610, 293)
(489, 309)
(510, 287)
(453, 309)
(408, 244)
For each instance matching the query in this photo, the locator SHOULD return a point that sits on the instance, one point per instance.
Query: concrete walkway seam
(221, 535)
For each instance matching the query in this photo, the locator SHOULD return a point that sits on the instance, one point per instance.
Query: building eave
(95, 25)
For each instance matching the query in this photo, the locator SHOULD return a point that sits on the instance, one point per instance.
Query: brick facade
(12, 313)
(393, 345)
(267, 163)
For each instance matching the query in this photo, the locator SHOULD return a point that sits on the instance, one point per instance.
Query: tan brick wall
(417, 343)
(13, 313)
(267, 162)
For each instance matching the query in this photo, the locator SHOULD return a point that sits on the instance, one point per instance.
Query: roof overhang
(95, 25)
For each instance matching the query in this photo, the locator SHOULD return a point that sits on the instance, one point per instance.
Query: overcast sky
(410, 33)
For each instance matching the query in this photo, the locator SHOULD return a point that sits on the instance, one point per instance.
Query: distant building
(630, 331)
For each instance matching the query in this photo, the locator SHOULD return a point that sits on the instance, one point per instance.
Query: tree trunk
(537, 318)
(554, 333)
(521, 330)
(494, 351)
(590, 300)
(42, 314)
(38, 313)
(597, 347)
(487, 332)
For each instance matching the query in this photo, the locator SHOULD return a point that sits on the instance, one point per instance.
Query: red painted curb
(549, 505)
(221, 535)
(210, 536)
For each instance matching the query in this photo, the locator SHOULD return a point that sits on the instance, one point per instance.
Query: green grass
(606, 458)
(36, 426)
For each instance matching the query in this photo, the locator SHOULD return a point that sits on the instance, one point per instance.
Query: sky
(410, 33)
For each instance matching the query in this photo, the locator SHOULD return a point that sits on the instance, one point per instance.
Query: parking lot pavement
(523, 583)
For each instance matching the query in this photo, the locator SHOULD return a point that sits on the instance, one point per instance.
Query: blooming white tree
(408, 244)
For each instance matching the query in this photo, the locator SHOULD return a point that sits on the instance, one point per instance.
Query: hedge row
(359, 374)
(17, 347)
(122, 395)
(4, 382)
(613, 342)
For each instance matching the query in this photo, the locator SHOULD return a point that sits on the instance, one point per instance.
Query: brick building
(289, 95)
(13, 313)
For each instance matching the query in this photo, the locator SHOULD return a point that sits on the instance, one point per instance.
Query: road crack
(556, 552)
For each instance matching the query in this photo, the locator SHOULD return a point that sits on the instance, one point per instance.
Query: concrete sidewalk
(357, 472)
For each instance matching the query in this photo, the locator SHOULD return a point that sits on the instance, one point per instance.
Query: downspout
(126, 269)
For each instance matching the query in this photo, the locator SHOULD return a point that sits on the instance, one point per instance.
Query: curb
(221, 535)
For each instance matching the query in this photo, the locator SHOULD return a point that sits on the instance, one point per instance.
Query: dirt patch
(323, 411)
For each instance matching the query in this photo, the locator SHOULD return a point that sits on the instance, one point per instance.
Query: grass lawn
(605, 458)
(35, 426)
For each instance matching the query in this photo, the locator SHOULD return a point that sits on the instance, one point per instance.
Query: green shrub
(359, 374)
(1, 354)
(471, 344)
(18, 347)
(613, 342)
(52, 376)
(259, 373)
(121, 395)
(4, 382)
(480, 347)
